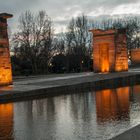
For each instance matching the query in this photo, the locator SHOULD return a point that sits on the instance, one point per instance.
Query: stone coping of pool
(130, 134)
(48, 86)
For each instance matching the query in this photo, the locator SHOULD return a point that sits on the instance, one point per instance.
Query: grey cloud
(58, 8)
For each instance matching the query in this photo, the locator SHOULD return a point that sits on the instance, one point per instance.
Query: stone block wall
(135, 55)
(5, 62)
(109, 50)
(121, 63)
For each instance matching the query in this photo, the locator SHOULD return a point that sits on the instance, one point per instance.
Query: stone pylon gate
(5, 62)
(109, 50)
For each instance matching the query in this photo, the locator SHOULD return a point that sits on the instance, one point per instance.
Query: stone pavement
(130, 134)
(56, 84)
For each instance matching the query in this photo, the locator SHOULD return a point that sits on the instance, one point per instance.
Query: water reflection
(6, 121)
(94, 115)
(135, 96)
(112, 104)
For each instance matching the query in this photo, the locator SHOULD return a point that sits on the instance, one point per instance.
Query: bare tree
(33, 40)
(131, 24)
(77, 39)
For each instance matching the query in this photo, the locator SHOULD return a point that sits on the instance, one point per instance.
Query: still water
(93, 115)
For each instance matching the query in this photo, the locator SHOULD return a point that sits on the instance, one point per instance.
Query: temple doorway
(104, 59)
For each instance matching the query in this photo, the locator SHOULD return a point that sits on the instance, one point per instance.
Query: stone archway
(104, 60)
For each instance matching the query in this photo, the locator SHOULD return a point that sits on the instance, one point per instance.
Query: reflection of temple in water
(112, 104)
(6, 121)
(135, 94)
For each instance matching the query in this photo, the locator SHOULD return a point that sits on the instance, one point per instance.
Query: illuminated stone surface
(135, 55)
(5, 62)
(109, 50)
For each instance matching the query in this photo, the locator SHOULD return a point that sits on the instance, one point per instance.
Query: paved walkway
(47, 81)
(23, 86)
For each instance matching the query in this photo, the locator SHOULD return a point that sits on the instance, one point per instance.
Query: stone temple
(5, 62)
(109, 50)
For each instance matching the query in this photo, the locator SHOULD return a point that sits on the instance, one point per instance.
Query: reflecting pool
(89, 115)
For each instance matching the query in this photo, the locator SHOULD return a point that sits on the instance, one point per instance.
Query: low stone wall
(97, 82)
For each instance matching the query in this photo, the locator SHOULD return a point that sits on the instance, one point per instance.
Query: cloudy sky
(62, 10)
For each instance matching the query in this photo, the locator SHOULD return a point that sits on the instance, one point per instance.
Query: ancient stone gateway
(5, 62)
(109, 50)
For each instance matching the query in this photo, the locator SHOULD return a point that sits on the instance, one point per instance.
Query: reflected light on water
(6, 121)
(96, 115)
(136, 89)
(112, 104)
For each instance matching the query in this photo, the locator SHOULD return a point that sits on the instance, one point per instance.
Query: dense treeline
(37, 50)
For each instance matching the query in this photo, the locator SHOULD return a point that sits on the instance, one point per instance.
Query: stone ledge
(130, 134)
(29, 90)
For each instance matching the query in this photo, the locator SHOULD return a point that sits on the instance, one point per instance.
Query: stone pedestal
(5, 62)
(109, 50)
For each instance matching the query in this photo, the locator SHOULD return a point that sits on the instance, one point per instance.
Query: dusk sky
(61, 11)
